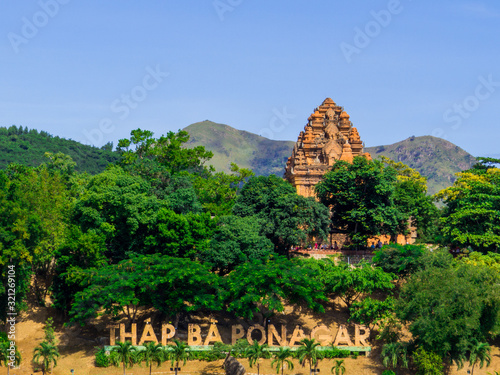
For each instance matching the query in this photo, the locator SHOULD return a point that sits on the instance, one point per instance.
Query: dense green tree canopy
(152, 203)
(490, 260)
(34, 216)
(152, 156)
(185, 236)
(79, 251)
(472, 213)
(410, 196)
(217, 191)
(34, 210)
(255, 287)
(449, 309)
(119, 207)
(361, 195)
(350, 283)
(171, 285)
(178, 285)
(400, 260)
(261, 194)
(287, 218)
(178, 173)
(29, 147)
(370, 311)
(236, 240)
(180, 193)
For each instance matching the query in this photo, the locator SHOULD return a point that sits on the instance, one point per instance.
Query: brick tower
(327, 137)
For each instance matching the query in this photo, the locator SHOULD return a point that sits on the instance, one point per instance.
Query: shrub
(101, 359)
(427, 362)
(335, 353)
(240, 348)
(219, 349)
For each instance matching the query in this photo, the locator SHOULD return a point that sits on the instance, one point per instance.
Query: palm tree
(280, 358)
(392, 353)
(124, 353)
(479, 353)
(339, 367)
(49, 353)
(255, 352)
(5, 354)
(153, 353)
(178, 352)
(307, 352)
(459, 360)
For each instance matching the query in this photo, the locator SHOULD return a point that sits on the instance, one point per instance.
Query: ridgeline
(27, 147)
(435, 158)
(229, 145)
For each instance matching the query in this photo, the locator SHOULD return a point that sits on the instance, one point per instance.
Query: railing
(355, 259)
(195, 348)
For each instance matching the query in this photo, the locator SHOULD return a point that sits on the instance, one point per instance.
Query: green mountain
(435, 158)
(27, 147)
(264, 156)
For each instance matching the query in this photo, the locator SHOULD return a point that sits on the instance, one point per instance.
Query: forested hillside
(28, 146)
(435, 158)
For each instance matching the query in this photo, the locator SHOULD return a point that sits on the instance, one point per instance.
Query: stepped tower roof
(329, 136)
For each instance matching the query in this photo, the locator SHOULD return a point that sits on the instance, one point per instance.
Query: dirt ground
(77, 346)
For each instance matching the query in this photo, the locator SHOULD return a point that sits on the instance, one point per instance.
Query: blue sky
(94, 70)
